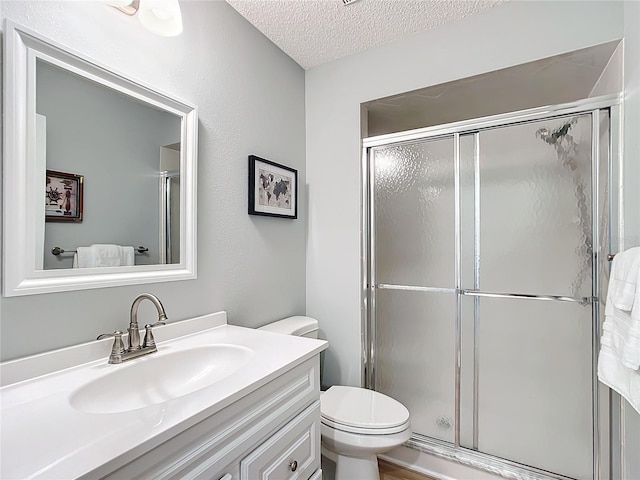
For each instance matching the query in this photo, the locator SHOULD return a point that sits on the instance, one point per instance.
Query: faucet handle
(149, 341)
(118, 346)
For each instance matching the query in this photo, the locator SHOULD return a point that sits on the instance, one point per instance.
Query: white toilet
(357, 424)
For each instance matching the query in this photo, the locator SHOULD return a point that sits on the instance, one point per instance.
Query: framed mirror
(99, 174)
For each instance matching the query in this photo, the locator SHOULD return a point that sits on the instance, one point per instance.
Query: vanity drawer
(293, 452)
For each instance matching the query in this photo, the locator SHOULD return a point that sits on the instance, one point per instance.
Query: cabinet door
(292, 453)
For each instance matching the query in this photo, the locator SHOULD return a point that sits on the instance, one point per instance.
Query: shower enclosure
(484, 243)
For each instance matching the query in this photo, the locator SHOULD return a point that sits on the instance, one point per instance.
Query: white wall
(610, 80)
(251, 101)
(507, 35)
(632, 123)
(630, 418)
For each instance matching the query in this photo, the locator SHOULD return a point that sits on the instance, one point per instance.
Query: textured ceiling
(313, 32)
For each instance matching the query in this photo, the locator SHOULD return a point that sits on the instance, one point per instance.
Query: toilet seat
(364, 430)
(362, 411)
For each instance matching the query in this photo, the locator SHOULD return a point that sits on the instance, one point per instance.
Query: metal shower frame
(166, 222)
(603, 406)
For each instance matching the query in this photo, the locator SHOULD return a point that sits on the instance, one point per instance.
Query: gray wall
(114, 142)
(251, 101)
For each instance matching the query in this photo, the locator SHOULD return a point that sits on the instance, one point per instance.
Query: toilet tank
(299, 326)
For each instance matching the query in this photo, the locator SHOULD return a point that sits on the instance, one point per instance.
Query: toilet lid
(360, 410)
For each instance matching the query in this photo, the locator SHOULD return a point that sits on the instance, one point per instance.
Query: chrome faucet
(118, 353)
(134, 334)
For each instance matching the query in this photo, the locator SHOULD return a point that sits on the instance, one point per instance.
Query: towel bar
(476, 293)
(558, 298)
(59, 251)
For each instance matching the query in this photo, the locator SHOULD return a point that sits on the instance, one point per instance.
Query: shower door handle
(557, 298)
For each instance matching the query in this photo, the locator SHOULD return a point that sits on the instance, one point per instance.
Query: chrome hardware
(476, 293)
(580, 300)
(385, 286)
(118, 352)
(610, 256)
(134, 334)
(149, 341)
(293, 466)
(59, 251)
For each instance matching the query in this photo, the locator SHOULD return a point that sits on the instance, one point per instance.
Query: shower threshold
(478, 460)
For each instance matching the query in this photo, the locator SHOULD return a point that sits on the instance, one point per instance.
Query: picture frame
(273, 189)
(63, 197)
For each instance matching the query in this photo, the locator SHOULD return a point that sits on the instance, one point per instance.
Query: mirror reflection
(110, 170)
(102, 173)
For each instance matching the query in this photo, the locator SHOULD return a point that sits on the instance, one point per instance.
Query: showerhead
(552, 137)
(546, 135)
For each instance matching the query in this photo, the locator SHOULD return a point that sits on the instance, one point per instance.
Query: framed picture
(63, 197)
(273, 189)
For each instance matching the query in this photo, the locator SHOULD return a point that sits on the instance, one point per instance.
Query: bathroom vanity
(216, 402)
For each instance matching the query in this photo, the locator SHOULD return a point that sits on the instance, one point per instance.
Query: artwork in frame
(63, 197)
(273, 189)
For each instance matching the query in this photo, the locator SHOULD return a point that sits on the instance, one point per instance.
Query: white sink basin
(159, 377)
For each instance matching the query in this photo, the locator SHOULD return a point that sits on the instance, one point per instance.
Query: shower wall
(489, 242)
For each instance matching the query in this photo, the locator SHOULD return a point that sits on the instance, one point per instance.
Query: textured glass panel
(469, 236)
(607, 227)
(468, 346)
(414, 214)
(535, 384)
(535, 208)
(415, 342)
(469, 209)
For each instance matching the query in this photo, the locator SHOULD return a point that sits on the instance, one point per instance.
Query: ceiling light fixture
(162, 17)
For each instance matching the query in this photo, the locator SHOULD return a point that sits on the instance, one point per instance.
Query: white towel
(619, 359)
(103, 255)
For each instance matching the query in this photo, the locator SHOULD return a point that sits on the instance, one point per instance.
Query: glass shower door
(414, 223)
(481, 289)
(528, 305)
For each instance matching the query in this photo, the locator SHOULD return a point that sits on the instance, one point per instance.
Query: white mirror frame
(22, 185)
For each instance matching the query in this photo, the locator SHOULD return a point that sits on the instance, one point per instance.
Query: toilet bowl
(356, 424)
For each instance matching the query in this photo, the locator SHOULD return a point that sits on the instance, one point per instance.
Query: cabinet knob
(293, 466)
(226, 477)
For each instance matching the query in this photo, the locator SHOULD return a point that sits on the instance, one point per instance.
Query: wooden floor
(389, 471)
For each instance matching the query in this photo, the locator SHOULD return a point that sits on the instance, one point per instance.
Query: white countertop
(43, 436)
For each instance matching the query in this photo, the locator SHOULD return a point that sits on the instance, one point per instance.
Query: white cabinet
(291, 453)
(271, 433)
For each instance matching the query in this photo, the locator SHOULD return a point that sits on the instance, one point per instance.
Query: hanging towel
(619, 359)
(103, 255)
